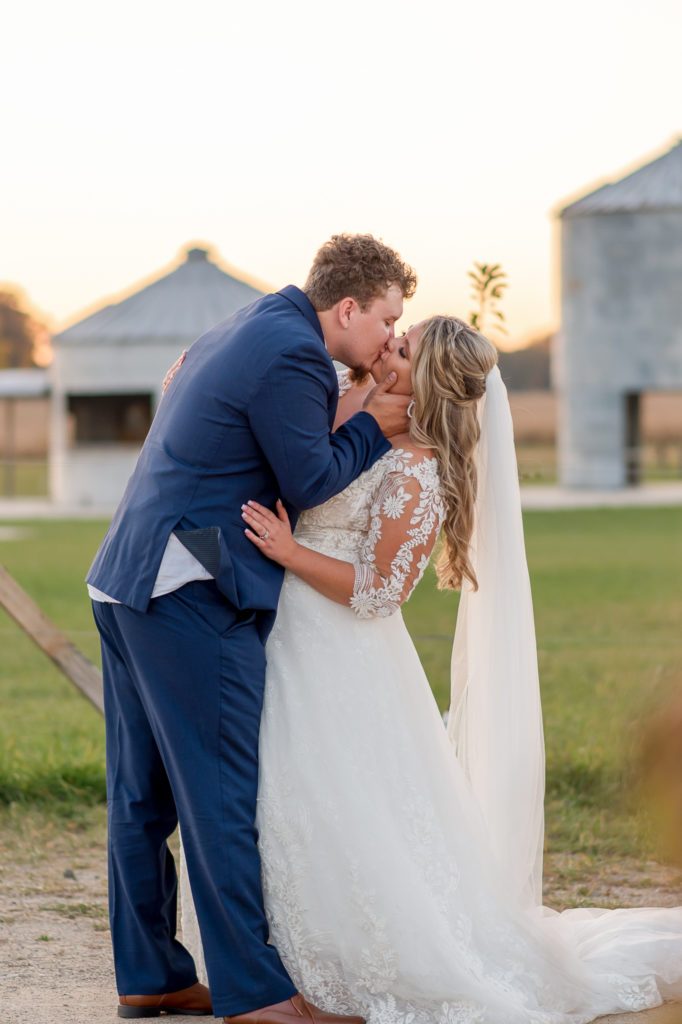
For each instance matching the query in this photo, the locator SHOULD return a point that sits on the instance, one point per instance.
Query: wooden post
(55, 644)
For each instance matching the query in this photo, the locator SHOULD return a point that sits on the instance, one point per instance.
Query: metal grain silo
(621, 334)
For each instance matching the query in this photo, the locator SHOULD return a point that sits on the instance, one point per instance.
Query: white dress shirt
(177, 567)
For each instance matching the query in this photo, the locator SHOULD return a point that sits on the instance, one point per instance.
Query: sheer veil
(495, 719)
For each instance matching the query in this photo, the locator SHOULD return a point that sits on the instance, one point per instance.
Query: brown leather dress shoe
(194, 1001)
(296, 1010)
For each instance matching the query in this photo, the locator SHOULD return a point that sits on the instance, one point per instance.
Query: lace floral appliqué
(344, 381)
(409, 490)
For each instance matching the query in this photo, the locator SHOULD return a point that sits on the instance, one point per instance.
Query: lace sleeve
(406, 515)
(344, 381)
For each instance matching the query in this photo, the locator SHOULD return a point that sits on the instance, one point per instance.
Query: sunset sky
(452, 131)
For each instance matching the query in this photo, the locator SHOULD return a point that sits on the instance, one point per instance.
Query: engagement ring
(264, 536)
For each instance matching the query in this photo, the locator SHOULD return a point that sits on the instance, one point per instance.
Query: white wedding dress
(381, 890)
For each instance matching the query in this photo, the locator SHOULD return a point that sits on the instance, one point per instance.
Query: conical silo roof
(177, 307)
(656, 186)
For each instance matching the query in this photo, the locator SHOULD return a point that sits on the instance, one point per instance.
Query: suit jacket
(248, 415)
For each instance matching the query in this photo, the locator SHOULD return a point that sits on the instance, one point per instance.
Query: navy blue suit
(248, 415)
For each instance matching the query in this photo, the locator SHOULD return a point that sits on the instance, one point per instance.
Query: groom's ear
(345, 310)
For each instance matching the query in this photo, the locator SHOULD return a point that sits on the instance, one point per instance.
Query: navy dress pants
(183, 693)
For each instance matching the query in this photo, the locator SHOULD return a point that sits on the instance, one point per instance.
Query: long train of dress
(381, 892)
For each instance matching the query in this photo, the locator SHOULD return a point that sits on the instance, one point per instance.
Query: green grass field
(538, 462)
(26, 478)
(607, 588)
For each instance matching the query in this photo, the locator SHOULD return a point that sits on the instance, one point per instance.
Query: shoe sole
(156, 1011)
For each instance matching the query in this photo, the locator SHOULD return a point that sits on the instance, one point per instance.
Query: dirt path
(55, 956)
(55, 953)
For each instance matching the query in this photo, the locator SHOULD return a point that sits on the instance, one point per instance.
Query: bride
(402, 862)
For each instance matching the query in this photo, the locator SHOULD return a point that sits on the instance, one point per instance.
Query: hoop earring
(410, 409)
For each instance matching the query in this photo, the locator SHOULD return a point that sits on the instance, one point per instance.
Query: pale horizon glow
(453, 133)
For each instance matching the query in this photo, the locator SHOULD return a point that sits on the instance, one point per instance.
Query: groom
(184, 604)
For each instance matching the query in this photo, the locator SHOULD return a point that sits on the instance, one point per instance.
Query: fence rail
(51, 640)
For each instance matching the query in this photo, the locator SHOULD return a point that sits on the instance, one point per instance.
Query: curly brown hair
(357, 266)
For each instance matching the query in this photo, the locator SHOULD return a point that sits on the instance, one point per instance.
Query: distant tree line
(20, 332)
(527, 369)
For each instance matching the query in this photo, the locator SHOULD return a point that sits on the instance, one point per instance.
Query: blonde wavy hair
(448, 377)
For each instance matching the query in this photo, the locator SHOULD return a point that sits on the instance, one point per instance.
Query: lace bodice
(385, 523)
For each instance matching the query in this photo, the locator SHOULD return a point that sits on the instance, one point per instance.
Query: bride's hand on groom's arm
(173, 370)
(270, 533)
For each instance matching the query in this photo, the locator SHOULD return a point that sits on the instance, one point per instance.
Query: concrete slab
(42, 508)
(664, 494)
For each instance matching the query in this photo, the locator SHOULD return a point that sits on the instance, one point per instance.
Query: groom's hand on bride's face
(390, 411)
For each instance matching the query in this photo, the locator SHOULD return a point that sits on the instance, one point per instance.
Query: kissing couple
(347, 857)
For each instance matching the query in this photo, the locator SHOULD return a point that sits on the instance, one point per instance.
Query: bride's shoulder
(406, 459)
(343, 379)
(402, 444)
